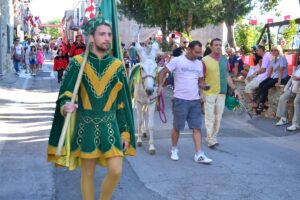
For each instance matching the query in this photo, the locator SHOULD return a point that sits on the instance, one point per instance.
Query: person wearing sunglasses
(277, 75)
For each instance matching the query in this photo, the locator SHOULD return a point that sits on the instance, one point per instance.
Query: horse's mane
(134, 75)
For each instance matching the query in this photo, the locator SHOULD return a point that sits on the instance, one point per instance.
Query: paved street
(255, 159)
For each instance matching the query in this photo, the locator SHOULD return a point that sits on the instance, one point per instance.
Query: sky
(49, 9)
(286, 7)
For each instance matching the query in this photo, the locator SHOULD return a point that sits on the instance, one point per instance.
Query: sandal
(260, 108)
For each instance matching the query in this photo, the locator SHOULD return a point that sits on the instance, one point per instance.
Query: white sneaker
(293, 127)
(174, 154)
(281, 122)
(202, 159)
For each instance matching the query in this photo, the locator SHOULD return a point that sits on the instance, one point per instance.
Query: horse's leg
(151, 112)
(143, 126)
(140, 121)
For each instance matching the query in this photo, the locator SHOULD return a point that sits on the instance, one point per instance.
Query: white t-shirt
(186, 76)
(18, 49)
(266, 63)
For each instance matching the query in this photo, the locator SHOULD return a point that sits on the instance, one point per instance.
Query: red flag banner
(270, 20)
(253, 21)
(287, 17)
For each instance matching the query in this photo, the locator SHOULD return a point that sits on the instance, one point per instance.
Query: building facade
(7, 21)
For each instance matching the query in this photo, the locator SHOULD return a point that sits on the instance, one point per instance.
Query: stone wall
(273, 98)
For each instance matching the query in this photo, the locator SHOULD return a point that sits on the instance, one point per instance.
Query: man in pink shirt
(188, 73)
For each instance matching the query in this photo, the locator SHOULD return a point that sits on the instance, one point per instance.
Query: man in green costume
(103, 131)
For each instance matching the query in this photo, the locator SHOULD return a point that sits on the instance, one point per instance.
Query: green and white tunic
(104, 116)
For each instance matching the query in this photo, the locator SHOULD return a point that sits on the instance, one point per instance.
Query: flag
(253, 21)
(287, 17)
(270, 20)
(109, 12)
(90, 11)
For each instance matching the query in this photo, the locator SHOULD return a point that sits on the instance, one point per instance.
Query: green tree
(289, 33)
(169, 15)
(54, 32)
(230, 11)
(246, 36)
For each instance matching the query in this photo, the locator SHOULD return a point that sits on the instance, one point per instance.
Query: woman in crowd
(277, 76)
(291, 89)
(251, 75)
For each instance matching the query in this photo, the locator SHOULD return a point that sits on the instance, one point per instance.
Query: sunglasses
(185, 42)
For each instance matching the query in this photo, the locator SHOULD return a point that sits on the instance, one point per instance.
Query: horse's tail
(134, 75)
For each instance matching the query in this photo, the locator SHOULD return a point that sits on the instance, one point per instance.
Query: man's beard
(100, 49)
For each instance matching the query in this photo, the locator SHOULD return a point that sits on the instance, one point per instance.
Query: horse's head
(148, 67)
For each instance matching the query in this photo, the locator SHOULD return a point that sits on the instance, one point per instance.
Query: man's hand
(204, 87)
(159, 90)
(295, 78)
(70, 107)
(237, 95)
(125, 145)
(202, 98)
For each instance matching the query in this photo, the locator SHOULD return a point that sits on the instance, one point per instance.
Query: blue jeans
(133, 62)
(17, 65)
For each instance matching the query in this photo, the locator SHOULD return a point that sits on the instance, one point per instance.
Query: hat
(91, 26)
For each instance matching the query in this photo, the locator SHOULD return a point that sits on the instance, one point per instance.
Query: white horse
(145, 88)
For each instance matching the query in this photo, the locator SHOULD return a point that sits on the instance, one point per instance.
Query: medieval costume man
(103, 132)
(78, 47)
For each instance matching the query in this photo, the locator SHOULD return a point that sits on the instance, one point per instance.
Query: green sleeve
(68, 84)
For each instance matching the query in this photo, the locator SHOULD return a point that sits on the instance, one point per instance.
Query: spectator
(277, 75)
(207, 49)
(292, 88)
(126, 61)
(33, 60)
(133, 54)
(40, 57)
(235, 62)
(260, 75)
(17, 55)
(183, 47)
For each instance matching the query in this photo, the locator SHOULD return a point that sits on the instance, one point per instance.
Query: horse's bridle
(147, 76)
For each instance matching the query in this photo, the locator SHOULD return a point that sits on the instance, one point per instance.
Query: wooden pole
(76, 88)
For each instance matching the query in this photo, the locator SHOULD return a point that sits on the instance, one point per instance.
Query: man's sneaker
(174, 154)
(281, 122)
(201, 158)
(293, 127)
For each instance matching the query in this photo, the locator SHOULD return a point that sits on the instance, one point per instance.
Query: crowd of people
(270, 70)
(31, 52)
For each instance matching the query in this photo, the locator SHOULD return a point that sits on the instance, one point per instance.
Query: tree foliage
(185, 15)
(289, 33)
(246, 36)
(230, 11)
(169, 15)
(54, 32)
